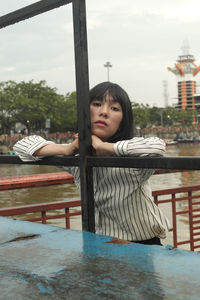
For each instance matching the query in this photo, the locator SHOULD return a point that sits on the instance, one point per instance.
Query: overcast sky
(140, 39)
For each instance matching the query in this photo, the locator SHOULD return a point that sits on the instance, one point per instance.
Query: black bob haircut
(118, 94)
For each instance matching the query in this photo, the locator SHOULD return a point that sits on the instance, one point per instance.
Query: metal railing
(43, 208)
(184, 201)
(82, 91)
(85, 161)
(187, 197)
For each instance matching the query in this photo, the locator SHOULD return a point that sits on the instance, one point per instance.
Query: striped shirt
(124, 207)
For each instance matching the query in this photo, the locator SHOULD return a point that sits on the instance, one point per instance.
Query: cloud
(140, 38)
(7, 69)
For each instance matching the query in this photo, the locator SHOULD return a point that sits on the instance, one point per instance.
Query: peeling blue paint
(106, 281)
(46, 290)
(67, 264)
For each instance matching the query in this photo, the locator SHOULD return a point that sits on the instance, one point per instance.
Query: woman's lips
(101, 123)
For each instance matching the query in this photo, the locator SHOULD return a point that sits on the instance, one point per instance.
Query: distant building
(185, 70)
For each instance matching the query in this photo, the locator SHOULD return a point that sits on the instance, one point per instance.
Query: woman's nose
(104, 110)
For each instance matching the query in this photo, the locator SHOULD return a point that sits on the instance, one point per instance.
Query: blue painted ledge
(45, 262)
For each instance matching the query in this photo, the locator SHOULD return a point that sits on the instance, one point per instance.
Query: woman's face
(106, 116)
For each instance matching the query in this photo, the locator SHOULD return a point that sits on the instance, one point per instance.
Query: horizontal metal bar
(182, 163)
(33, 208)
(31, 11)
(50, 161)
(177, 190)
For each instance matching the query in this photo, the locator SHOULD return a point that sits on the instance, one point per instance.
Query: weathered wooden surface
(45, 262)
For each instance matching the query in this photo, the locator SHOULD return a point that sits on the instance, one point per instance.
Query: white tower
(185, 70)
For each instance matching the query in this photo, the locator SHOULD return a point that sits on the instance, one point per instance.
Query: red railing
(43, 208)
(187, 197)
(36, 180)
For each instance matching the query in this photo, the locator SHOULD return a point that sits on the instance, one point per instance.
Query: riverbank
(7, 141)
(180, 134)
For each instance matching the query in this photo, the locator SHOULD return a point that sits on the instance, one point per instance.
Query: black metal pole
(84, 128)
(166, 163)
(31, 11)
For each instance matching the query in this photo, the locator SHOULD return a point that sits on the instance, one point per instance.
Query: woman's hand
(102, 148)
(58, 149)
(74, 146)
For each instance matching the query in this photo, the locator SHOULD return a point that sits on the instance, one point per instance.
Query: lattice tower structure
(185, 70)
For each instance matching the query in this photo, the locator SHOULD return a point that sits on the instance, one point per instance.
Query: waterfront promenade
(7, 141)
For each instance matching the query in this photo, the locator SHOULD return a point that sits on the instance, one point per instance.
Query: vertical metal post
(84, 127)
(191, 224)
(67, 218)
(44, 217)
(174, 221)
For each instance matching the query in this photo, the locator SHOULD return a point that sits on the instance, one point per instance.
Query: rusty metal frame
(43, 208)
(31, 11)
(193, 212)
(82, 89)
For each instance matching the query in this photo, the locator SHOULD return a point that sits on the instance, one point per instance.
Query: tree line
(32, 104)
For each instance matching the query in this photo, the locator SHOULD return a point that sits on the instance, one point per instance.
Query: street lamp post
(161, 117)
(108, 65)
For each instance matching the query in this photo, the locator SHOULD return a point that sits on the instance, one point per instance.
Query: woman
(123, 204)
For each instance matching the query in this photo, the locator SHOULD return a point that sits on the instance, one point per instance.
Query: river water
(69, 192)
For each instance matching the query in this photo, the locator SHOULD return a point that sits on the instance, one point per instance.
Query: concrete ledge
(44, 262)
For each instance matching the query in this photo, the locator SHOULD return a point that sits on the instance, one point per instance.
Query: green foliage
(141, 115)
(67, 119)
(31, 104)
(146, 116)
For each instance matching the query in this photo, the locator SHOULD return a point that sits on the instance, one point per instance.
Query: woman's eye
(96, 103)
(115, 108)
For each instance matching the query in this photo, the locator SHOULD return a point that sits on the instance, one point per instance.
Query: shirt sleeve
(28, 145)
(139, 146)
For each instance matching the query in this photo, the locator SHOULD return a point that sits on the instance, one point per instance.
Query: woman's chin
(100, 134)
(103, 138)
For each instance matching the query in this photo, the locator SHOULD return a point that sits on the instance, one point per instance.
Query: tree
(36, 103)
(28, 103)
(156, 116)
(67, 119)
(7, 107)
(178, 117)
(141, 115)
(32, 104)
